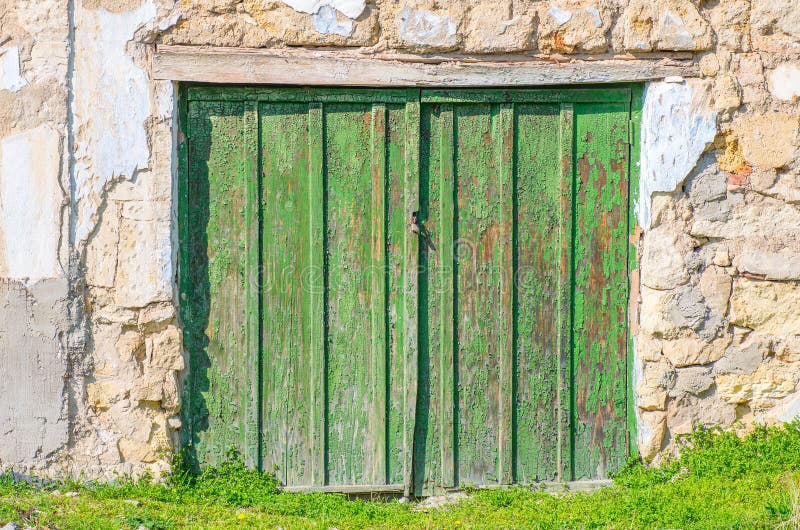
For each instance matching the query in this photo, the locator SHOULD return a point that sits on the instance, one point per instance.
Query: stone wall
(90, 343)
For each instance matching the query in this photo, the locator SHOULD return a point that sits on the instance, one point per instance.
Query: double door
(407, 289)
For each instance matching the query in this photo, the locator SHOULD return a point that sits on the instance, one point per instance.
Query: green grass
(719, 481)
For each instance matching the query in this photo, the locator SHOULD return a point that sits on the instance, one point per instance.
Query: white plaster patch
(676, 129)
(561, 16)
(10, 78)
(327, 22)
(425, 28)
(112, 102)
(350, 8)
(594, 12)
(644, 433)
(165, 98)
(789, 410)
(784, 81)
(30, 204)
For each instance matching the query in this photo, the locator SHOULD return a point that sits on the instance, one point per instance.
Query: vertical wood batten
(410, 281)
(566, 232)
(447, 319)
(634, 233)
(378, 270)
(316, 296)
(506, 348)
(183, 247)
(253, 415)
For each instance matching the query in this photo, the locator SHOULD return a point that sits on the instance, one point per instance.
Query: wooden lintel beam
(330, 68)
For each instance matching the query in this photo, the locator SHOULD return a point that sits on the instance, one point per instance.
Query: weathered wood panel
(334, 372)
(222, 392)
(540, 217)
(440, 288)
(400, 415)
(354, 419)
(289, 281)
(600, 289)
(320, 68)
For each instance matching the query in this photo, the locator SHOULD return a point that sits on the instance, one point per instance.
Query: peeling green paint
(300, 253)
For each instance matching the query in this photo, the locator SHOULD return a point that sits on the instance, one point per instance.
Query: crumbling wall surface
(34, 319)
(87, 210)
(718, 341)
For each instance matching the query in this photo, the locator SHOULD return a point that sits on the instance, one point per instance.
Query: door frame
(437, 92)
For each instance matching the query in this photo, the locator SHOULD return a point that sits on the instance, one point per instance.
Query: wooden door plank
(565, 296)
(478, 306)
(351, 450)
(290, 322)
(397, 229)
(316, 297)
(504, 133)
(447, 410)
(541, 214)
(410, 284)
(634, 240)
(378, 474)
(600, 292)
(216, 318)
(430, 440)
(253, 412)
(435, 454)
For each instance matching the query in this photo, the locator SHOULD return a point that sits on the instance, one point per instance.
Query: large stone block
(102, 394)
(317, 23)
(756, 218)
(654, 319)
(770, 381)
(651, 386)
(131, 346)
(694, 380)
(767, 141)
(689, 413)
(651, 428)
(692, 350)
(775, 25)
(423, 26)
(156, 316)
(574, 26)
(730, 21)
(165, 349)
(663, 263)
(101, 251)
(671, 25)
(715, 284)
(144, 265)
(145, 436)
(768, 307)
(772, 264)
(741, 358)
(499, 26)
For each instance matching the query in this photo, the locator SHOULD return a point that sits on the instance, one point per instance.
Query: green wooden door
(404, 288)
(523, 287)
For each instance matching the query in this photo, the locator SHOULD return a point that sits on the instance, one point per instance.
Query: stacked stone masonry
(90, 341)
